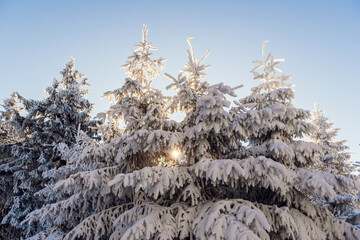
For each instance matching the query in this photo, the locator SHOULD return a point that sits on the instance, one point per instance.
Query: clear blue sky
(320, 41)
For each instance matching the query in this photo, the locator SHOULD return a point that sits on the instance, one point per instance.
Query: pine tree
(276, 129)
(273, 121)
(146, 140)
(337, 160)
(208, 129)
(260, 192)
(142, 109)
(38, 126)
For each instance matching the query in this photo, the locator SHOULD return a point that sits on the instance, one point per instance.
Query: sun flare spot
(175, 153)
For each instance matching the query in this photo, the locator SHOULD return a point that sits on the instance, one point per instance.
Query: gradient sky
(320, 41)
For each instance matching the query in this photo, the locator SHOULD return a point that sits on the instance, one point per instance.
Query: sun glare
(175, 153)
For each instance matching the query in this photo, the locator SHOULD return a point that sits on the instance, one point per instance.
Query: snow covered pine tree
(133, 188)
(9, 136)
(147, 140)
(336, 159)
(38, 127)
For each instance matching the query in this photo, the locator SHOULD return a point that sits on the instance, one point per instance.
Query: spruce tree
(209, 130)
(275, 131)
(38, 126)
(146, 141)
(142, 109)
(223, 190)
(336, 159)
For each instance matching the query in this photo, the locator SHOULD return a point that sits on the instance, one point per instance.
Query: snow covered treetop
(271, 81)
(274, 88)
(70, 75)
(323, 126)
(136, 103)
(187, 85)
(193, 70)
(10, 117)
(336, 157)
(140, 66)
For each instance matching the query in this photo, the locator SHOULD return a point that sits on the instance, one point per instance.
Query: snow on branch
(145, 221)
(88, 180)
(51, 233)
(157, 182)
(326, 184)
(251, 171)
(98, 225)
(145, 141)
(231, 220)
(140, 66)
(193, 69)
(271, 81)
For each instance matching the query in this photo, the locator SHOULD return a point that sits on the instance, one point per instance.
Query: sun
(175, 153)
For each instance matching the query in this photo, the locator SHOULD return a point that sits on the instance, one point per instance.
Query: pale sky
(320, 41)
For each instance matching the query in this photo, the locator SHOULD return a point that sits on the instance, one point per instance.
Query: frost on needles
(28, 150)
(244, 171)
(336, 159)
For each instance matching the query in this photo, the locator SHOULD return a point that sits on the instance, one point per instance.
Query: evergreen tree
(208, 129)
(273, 122)
(38, 126)
(142, 109)
(9, 135)
(337, 160)
(276, 129)
(261, 192)
(147, 140)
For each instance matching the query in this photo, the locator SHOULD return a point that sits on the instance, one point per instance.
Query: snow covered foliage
(213, 134)
(146, 140)
(130, 186)
(188, 85)
(222, 198)
(208, 129)
(38, 126)
(273, 122)
(336, 160)
(10, 129)
(140, 66)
